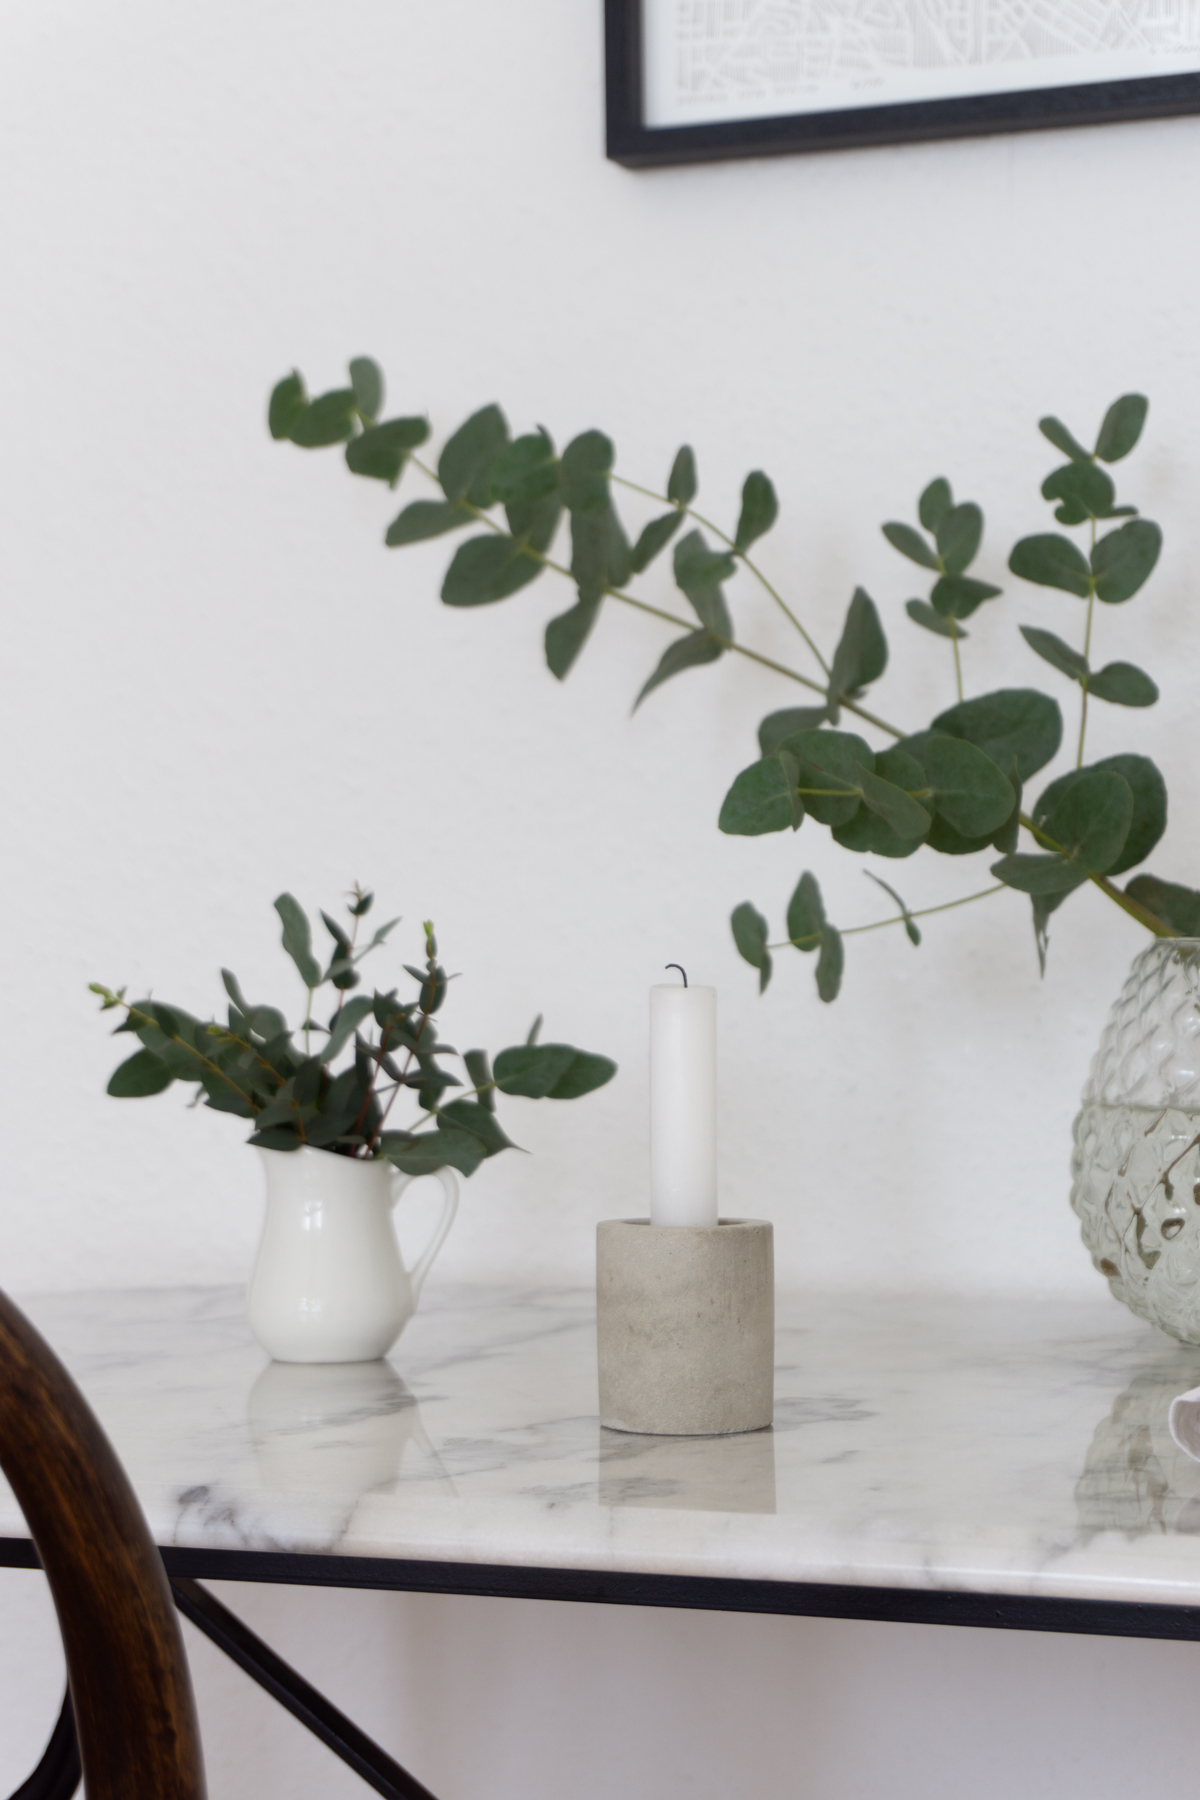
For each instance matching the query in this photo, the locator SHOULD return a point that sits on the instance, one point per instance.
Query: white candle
(683, 1105)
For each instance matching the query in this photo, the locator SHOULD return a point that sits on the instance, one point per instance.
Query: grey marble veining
(998, 1445)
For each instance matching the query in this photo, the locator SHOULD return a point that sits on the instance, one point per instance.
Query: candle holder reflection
(1135, 1477)
(338, 1428)
(734, 1474)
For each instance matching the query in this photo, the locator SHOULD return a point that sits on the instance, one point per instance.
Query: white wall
(219, 684)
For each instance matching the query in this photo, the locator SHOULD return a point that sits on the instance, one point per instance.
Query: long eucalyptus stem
(659, 612)
(1087, 651)
(923, 912)
(708, 524)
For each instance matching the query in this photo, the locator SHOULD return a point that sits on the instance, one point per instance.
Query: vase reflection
(1135, 1477)
(338, 1428)
(734, 1474)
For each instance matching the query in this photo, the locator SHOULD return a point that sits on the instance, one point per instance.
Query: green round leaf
(970, 792)
(1012, 722)
(1123, 684)
(758, 802)
(1123, 560)
(1052, 561)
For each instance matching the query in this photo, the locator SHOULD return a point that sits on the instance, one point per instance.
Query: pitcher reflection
(339, 1428)
(1135, 1478)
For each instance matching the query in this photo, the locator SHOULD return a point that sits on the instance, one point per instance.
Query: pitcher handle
(424, 1262)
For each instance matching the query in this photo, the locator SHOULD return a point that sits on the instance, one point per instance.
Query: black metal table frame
(57, 1775)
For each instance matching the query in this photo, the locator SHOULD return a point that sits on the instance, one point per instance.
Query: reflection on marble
(702, 1474)
(1135, 1477)
(996, 1445)
(338, 1428)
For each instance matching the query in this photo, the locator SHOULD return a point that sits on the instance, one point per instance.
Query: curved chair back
(134, 1712)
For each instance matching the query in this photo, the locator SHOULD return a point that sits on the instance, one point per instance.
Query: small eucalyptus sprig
(251, 1066)
(955, 786)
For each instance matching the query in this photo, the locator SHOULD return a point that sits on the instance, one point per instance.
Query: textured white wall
(218, 683)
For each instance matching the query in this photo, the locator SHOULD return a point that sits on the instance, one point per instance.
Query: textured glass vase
(1136, 1163)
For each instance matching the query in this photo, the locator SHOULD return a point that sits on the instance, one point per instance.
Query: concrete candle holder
(685, 1325)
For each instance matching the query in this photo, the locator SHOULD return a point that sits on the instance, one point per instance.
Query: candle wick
(681, 969)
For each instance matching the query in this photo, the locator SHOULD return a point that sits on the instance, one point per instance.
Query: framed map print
(689, 80)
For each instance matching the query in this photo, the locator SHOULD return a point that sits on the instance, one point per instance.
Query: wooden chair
(128, 1684)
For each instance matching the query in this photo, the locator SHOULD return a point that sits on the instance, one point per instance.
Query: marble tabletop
(995, 1446)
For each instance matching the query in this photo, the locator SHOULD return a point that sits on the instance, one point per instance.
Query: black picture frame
(634, 144)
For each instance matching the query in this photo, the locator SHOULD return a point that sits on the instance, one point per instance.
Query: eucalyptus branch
(691, 513)
(952, 785)
(658, 612)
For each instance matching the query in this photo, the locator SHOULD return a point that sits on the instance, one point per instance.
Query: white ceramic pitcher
(329, 1284)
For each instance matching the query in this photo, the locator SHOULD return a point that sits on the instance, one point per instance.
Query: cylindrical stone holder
(685, 1326)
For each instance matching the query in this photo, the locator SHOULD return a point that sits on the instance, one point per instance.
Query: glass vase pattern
(1136, 1163)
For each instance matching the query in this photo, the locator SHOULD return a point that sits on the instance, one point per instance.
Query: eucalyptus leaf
(1123, 684)
(1012, 722)
(327, 420)
(1084, 490)
(345, 1023)
(936, 501)
(551, 1071)
(829, 762)
(685, 653)
(910, 543)
(297, 939)
(958, 596)
(480, 1070)
(699, 573)
(911, 929)
(366, 378)
(1052, 561)
(1176, 906)
(1149, 792)
(525, 469)
(806, 913)
(1061, 438)
(288, 401)
(468, 455)
(760, 801)
(750, 936)
(1087, 816)
(140, 1075)
(1123, 561)
(760, 509)
(681, 485)
(1033, 874)
(567, 634)
(600, 557)
(970, 792)
(654, 537)
(862, 652)
(1122, 427)
(906, 816)
(583, 477)
(487, 569)
(1052, 649)
(382, 451)
(423, 519)
(1149, 815)
(958, 537)
(779, 725)
(922, 613)
(831, 960)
